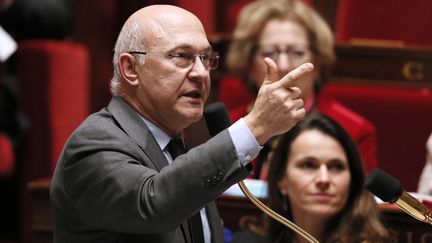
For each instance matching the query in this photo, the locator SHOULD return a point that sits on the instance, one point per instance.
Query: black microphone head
(383, 186)
(217, 118)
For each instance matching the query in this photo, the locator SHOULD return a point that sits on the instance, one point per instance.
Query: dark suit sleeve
(109, 182)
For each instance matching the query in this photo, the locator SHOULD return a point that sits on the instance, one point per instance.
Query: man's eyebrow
(189, 47)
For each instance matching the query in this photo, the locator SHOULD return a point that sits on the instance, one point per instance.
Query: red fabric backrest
(54, 90)
(7, 157)
(407, 21)
(403, 121)
(53, 79)
(233, 7)
(233, 93)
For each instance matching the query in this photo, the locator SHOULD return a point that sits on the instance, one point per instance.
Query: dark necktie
(176, 147)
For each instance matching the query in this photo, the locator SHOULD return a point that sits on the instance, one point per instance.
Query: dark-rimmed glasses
(209, 59)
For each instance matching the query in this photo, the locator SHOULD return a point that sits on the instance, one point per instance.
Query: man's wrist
(259, 136)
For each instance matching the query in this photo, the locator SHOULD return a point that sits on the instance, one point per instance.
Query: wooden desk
(41, 218)
(383, 65)
(231, 209)
(410, 230)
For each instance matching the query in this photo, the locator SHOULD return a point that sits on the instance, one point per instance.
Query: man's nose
(199, 68)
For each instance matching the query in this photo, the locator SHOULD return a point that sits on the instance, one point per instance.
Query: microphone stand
(275, 215)
(390, 190)
(414, 208)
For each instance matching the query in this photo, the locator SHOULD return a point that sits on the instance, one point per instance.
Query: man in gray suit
(117, 180)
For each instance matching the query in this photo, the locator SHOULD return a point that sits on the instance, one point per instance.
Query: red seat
(391, 20)
(231, 9)
(403, 122)
(233, 93)
(54, 91)
(53, 78)
(7, 157)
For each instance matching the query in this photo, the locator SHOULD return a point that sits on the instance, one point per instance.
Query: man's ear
(127, 68)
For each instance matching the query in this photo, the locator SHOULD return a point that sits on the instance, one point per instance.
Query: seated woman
(316, 180)
(425, 181)
(291, 33)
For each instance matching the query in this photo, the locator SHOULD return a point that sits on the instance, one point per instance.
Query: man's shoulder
(100, 120)
(99, 127)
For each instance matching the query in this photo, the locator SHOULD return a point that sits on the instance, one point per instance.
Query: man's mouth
(193, 94)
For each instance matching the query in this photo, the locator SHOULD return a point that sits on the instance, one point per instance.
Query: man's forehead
(174, 35)
(168, 16)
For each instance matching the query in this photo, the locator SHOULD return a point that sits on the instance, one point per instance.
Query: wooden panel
(41, 217)
(407, 66)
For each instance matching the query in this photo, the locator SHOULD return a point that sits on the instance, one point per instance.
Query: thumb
(271, 74)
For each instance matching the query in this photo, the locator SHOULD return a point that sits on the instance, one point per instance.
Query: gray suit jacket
(112, 182)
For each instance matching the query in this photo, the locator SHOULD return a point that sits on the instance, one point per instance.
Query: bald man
(118, 181)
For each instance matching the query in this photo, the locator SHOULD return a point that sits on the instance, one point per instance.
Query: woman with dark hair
(316, 180)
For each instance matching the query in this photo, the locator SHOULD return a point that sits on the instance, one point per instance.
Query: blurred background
(53, 81)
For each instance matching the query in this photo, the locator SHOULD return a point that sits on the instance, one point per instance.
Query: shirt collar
(161, 137)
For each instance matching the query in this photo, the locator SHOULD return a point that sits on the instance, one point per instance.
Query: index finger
(287, 80)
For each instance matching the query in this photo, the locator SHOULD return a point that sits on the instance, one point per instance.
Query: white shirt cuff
(244, 141)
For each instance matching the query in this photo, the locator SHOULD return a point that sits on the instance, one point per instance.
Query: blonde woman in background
(291, 33)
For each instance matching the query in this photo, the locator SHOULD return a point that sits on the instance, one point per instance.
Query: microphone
(390, 190)
(217, 119)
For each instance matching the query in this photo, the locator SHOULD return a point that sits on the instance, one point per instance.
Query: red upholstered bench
(385, 20)
(403, 120)
(7, 157)
(53, 80)
(54, 97)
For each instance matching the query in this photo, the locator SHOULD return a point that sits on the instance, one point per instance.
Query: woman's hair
(359, 219)
(255, 15)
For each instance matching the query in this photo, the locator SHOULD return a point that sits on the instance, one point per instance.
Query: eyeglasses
(297, 54)
(209, 59)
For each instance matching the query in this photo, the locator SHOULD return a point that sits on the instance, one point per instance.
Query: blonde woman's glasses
(296, 54)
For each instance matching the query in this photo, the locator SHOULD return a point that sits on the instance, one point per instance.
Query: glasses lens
(181, 59)
(213, 60)
(299, 55)
(273, 54)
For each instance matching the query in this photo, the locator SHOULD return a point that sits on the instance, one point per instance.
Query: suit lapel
(134, 126)
(186, 231)
(129, 120)
(215, 223)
